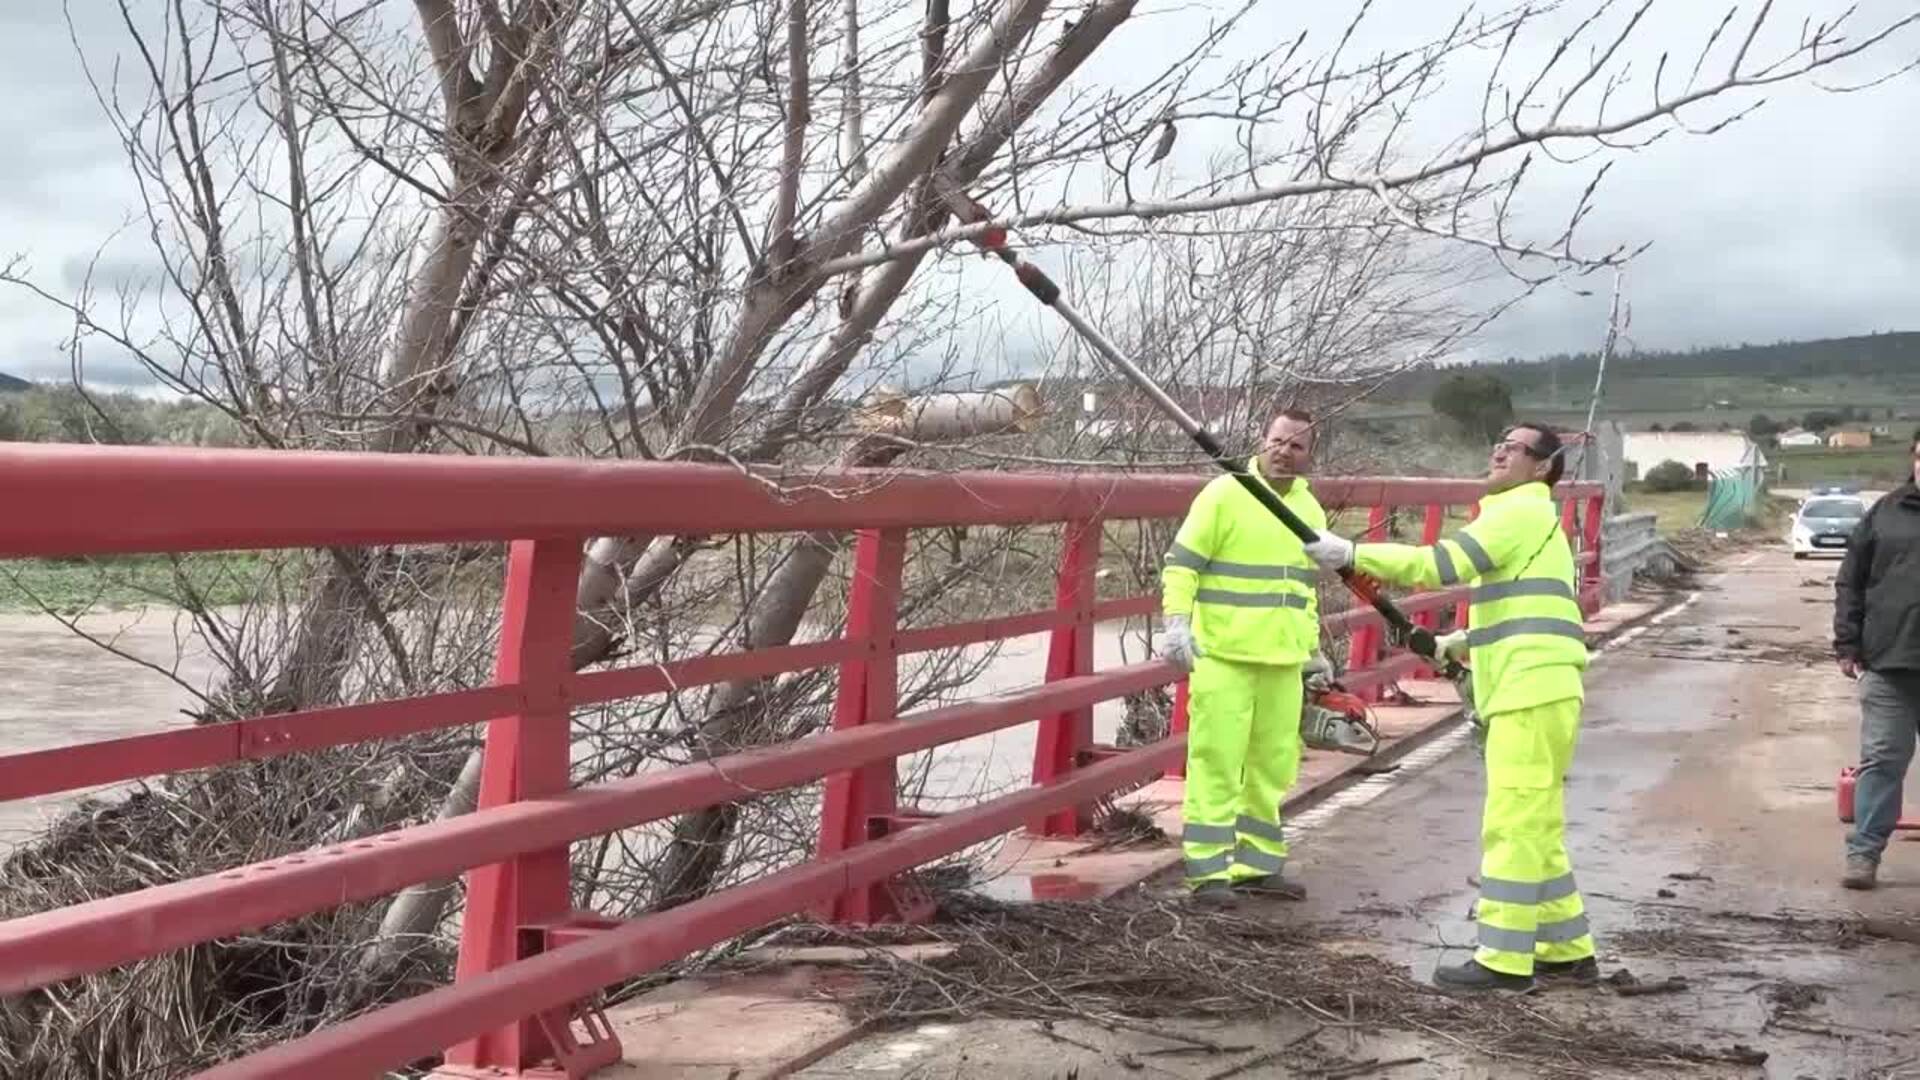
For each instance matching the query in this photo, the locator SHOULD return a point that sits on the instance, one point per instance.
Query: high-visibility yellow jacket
(1243, 577)
(1526, 639)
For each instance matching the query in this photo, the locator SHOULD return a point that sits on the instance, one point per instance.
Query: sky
(1800, 221)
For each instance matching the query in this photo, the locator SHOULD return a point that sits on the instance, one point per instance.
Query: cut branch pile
(186, 1010)
(1133, 958)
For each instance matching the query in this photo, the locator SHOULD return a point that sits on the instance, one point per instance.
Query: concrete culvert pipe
(945, 416)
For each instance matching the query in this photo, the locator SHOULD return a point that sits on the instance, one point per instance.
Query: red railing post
(526, 756)
(1064, 737)
(1177, 726)
(860, 805)
(1365, 649)
(1429, 535)
(1593, 579)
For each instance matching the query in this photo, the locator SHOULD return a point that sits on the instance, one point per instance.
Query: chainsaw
(1333, 718)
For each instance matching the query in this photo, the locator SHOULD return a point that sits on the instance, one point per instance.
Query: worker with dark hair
(1527, 650)
(1876, 637)
(1243, 619)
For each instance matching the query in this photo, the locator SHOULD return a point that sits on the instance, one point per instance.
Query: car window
(1831, 508)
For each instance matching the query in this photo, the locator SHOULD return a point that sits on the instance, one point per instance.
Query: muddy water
(62, 689)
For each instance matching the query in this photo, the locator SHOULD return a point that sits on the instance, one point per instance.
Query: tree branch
(792, 158)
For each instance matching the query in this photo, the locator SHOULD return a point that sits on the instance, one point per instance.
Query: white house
(1798, 437)
(1705, 452)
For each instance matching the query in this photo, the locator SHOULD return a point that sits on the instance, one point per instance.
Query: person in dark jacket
(1876, 637)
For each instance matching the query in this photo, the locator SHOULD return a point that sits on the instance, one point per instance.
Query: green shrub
(1669, 476)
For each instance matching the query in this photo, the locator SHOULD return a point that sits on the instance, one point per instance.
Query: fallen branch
(1371, 1065)
(1249, 1064)
(1133, 957)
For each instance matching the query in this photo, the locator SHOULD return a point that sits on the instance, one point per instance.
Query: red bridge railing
(529, 963)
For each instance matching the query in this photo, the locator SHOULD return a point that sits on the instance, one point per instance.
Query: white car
(1824, 523)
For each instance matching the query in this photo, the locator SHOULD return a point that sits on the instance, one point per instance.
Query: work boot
(1862, 873)
(1213, 894)
(1582, 972)
(1272, 887)
(1475, 978)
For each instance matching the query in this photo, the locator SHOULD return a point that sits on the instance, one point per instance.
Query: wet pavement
(1703, 832)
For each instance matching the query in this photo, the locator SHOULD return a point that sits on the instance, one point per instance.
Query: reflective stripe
(1443, 561)
(1264, 830)
(1501, 631)
(1241, 599)
(1509, 892)
(1481, 560)
(1207, 834)
(1181, 555)
(1261, 573)
(1514, 941)
(1507, 590)
(1259, 860)
(1558, 889)
(1564, 930)
(1212, 864)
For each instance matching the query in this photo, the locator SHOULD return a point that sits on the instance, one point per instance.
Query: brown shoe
(1862, 873)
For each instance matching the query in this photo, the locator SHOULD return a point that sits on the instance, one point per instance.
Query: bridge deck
(1703, 827)
(781, 1015)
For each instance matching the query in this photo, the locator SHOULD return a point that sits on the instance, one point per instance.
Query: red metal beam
(36, 950)
(1355, 617)
(92, 500)
(421, 1026)
(107, 761)
(641, 680)
(74, 500)
(1127, 607)
(1392, 669)
(954, 635)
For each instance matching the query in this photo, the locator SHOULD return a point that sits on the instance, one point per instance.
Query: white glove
(1180, 649)
(1317, 673)
(1452, 646)
(1331, 552)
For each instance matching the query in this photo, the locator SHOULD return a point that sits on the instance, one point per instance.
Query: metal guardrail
(1631, 546)
(530, 966)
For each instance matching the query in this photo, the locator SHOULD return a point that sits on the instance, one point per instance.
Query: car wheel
(1799, 554)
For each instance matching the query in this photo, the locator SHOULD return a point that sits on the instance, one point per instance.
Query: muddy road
(1703, 832)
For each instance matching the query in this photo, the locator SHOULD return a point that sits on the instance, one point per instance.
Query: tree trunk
(416, 912)
(735, 718)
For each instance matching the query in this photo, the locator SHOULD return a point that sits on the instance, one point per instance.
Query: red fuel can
(1843, 797)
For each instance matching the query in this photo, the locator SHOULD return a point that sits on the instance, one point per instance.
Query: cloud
(1800, 221)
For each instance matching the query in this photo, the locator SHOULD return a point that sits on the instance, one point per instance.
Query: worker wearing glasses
(1527, 650)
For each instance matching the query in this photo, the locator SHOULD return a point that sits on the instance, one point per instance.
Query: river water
(61, 688)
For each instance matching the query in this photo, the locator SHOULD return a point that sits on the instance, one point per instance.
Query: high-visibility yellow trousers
(1243, 753)
(1529, 908)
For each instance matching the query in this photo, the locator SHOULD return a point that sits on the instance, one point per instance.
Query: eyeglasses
(1510, 445)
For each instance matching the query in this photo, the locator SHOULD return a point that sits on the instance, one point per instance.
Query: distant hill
(1895, 354)
(11, 385)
